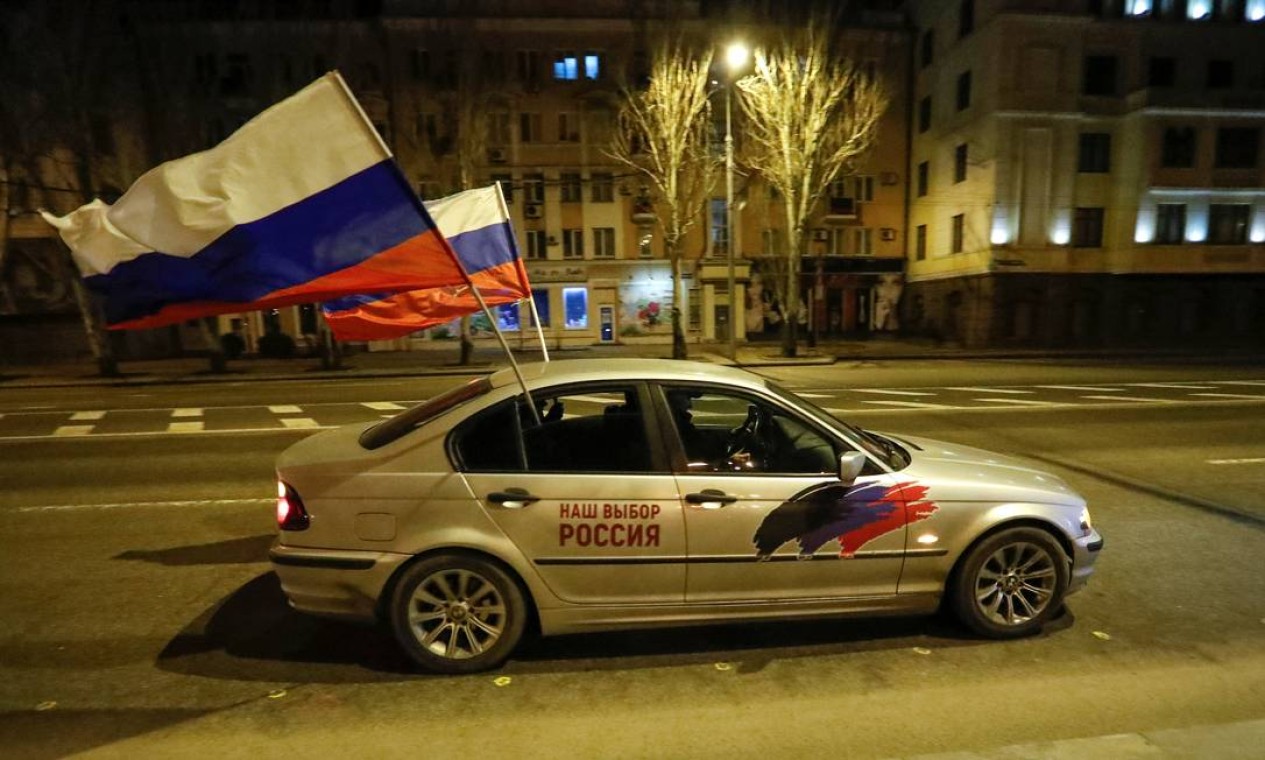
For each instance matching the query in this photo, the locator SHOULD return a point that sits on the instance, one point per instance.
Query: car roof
(542, 374)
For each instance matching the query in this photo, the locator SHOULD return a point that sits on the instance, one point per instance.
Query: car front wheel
(457, 614)
(1011, 583)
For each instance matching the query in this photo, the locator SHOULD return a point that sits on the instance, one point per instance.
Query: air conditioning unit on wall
(532, 210)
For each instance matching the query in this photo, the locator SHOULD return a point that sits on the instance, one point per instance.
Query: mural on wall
(34, 280)
(886, 300)
(645, 304)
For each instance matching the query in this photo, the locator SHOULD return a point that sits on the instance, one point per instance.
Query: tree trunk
(331, 352)
(680, 350)
(790, 315)
(467, 344)
(98, 343)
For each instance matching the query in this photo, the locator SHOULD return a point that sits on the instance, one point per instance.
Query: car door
(765, 511)
(582, 493)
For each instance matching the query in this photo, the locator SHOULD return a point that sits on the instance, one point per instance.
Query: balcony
(840, 210)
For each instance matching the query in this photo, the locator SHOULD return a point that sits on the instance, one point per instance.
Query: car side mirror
(850, 466)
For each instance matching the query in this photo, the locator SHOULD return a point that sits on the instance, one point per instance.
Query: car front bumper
(334, 582)
(1084, 551)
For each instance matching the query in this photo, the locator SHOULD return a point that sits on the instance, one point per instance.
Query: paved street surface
(141, 619)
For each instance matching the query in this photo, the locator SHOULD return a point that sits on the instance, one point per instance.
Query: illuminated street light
(736, 57)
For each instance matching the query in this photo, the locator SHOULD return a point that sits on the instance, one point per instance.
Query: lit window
(645, 241)
(541, 298)
(1199, 9)
(1255, 10)
(1138, 7)
(507, 316)
(566, 66)
(575, 307)
(592, 66)
(720, 231)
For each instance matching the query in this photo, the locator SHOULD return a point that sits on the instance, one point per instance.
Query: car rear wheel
(457, 614)
(1011, 583)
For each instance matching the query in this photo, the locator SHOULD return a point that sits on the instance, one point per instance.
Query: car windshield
(414, 417)
(883, 449)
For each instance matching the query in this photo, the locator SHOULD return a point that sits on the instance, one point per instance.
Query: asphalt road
(140, 619)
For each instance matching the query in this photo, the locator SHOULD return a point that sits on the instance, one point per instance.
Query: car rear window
(413, 418)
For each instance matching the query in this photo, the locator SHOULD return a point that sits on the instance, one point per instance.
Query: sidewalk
(441, 359)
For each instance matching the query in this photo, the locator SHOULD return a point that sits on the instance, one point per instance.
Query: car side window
(724, 432)
(490, 441)
(589, 429)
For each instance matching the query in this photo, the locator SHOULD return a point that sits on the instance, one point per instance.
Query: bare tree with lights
(810, 114)
(662, 132)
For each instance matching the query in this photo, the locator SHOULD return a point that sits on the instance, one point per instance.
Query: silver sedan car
(626, 493)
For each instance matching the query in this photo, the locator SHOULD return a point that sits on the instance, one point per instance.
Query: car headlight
(1087, 526)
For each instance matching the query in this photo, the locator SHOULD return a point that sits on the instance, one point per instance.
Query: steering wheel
(748, 443)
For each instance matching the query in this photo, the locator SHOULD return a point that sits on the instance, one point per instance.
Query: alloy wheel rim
(1016, 583)
(456, 614)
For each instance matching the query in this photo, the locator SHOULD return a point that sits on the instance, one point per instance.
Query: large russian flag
(303, 203)
(477, 225)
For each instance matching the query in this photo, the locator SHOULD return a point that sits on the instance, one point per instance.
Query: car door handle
(710, 498)
(513, 498)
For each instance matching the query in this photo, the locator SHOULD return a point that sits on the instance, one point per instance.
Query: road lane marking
(891, 392)
(86, 416)
(381, 406)
(909, 404)
(161, 433)
(1178, 386)
(285, 409)
(972, 389)
(188, 412)
(814, 395)
(186, 427)
(1018, 402)
(130, 504)
(299, 422)
(1250, 460)
(1139, 399)
(1090, 388)
(1239, 382)
(1229, 395)
(73, 430)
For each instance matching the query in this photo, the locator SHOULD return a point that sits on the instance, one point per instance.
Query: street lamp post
(736, 57)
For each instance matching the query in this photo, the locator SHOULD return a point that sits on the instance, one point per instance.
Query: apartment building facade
(1087, 173)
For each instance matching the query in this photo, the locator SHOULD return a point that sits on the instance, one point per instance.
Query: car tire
(456, 613)
(1011, 583)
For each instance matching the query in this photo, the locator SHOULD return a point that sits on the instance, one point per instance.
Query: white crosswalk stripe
(988, 390)
(1089, 388)
(86, 416)
(1139, 399)
(193, 412)
(381, 406)
(299, 422)
(891, 392)
(285, 409)
(1178, 386)
(910, 404)
(69, 430)
(195, 426)
(1229, 395)
(1018, 402)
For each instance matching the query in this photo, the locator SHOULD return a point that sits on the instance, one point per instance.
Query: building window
(528, 66)
(575, 308)
(533, 188)
(1100, 75)
(837, 242)
(719, 230)
(959, 164)
(1087, 228)
(771, 241)
(1170, 223)
(1178, 150)
(645, 241)
(573, 244)
(592, 65)
(927, 50)
(507, 186)
(603, 188)
(568, 127)
(537, 244)
(1220, 74)
(570, 186)
(507, 317)
(924, 114)
(499, 129)
(966, 18)
(920, 242)
(603, 242)
(566, 66)
(529, 129)
(420, 64)
(959, 233)
(863, 188)
(1095, 153)
(863, 241)
(964, 90)
(1162, 72)
(1237, 147)
(924, 178)
(540, 297)
(1227, 223)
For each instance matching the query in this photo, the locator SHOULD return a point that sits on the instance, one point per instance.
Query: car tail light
(290, 512)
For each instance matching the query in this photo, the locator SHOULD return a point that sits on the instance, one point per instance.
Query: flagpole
(508, 353)
(544, 350)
